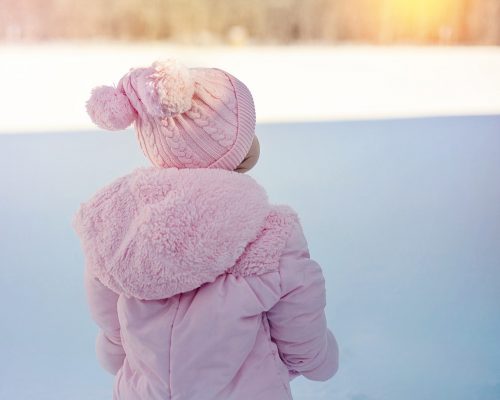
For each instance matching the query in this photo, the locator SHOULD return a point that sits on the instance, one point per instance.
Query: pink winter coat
(202, 290)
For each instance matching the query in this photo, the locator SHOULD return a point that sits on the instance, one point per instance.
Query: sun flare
(434, 11)
(416, 17)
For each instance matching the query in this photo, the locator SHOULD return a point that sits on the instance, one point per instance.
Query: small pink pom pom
(167, 89)
(110, 109)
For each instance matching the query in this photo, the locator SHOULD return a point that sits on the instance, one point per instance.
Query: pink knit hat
(184, 117)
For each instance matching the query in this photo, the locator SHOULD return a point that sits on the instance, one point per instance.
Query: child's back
(201, 288)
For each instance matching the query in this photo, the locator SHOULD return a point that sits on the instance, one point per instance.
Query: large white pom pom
(167, 89)
(110, 109)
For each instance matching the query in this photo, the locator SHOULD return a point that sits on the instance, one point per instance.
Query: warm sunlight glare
(417, 17)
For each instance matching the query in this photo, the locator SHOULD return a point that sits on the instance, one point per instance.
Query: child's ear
(251, 158)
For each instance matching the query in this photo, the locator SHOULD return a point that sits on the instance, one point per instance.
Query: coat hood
(157, 232)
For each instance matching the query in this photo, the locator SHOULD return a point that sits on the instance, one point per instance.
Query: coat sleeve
(102, 303)
(297, 321)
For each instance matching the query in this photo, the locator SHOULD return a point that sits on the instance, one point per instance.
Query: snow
(402, 214)
(47, 85)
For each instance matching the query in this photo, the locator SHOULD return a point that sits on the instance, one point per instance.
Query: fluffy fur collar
(157, 232)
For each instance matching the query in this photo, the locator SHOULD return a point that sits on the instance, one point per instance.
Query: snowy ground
(403, 215)
(44, 88)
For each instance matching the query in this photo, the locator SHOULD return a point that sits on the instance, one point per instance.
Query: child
(202, 289)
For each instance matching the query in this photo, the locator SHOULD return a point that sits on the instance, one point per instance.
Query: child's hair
(184, 117)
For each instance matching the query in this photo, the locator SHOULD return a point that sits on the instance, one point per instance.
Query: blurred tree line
(259, 21)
